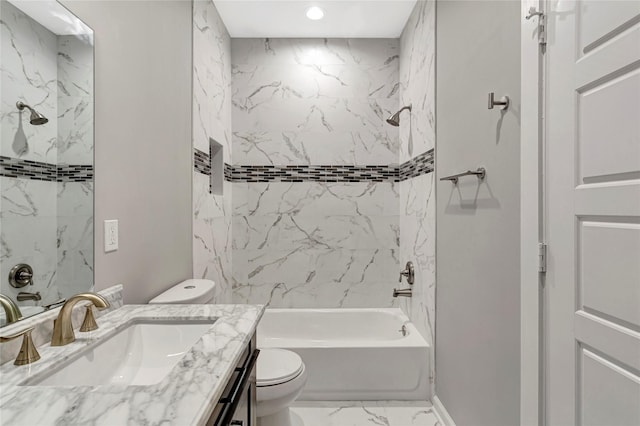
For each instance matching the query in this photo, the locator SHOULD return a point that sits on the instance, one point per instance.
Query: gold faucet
(11, 310)
(28, 352)
(62, 327)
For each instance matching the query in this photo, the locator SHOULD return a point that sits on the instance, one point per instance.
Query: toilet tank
(192, 291)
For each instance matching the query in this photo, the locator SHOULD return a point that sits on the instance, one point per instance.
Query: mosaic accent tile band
(305, 173)
(420, 165)
(201, 162)
(36, 170)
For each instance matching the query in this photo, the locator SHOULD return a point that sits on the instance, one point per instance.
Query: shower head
(394, 120)
(36, 118)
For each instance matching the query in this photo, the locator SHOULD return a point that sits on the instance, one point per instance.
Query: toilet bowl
(281, 376)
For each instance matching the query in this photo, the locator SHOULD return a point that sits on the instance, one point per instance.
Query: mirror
(46, 154)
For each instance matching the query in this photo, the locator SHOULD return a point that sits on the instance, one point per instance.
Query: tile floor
(364, 413)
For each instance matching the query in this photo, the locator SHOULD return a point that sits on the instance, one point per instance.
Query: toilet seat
(277, 366)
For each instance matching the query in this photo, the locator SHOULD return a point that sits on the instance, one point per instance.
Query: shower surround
(417, 193)
(329, 200)
(315, 240)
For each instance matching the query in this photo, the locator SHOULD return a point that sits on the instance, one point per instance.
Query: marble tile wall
(75, 99)
(47, 221)
(75, 147)
(28, 73)
(212, 253)
(315, 102)
(27, 207)
(417, 194)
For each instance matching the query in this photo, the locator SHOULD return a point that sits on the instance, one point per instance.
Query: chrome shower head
(394, 120)
(36, 118)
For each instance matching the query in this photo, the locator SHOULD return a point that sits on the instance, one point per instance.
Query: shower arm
(21, 105)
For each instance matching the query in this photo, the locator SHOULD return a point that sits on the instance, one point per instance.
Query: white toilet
(280, 374)
(188, 292)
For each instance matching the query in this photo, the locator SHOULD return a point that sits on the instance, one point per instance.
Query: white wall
(143, 66)
(478, 297)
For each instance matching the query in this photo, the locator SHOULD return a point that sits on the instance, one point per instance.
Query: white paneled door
(592, 288)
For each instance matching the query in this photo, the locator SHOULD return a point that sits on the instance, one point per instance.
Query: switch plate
(110, 235)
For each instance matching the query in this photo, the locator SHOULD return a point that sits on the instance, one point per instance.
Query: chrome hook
(533, 12)
(503, 103)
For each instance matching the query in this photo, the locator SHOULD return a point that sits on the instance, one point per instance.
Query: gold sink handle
(28, 352)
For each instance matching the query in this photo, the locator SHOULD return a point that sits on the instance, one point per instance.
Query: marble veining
(417, 81)
(311, 244)
(417, 193)
(314, 101)
(362, 413)
(46, 187)
(186, 396)
(212, 231)
(29, 73)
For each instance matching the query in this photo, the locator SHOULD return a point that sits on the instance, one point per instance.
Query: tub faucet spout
(404, 292)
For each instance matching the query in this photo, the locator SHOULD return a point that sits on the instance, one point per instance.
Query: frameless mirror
(46, 155)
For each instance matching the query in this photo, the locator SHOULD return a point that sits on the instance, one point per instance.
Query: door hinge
(542, 24)
(542, 257)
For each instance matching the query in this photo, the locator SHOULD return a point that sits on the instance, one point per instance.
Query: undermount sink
(142, 354)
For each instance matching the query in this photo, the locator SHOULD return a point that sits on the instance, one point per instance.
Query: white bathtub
(352, 354)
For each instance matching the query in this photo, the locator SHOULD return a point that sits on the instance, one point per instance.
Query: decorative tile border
(314, 173)
(36, 170)
(74, 173)
(420, 165)
(201, 162)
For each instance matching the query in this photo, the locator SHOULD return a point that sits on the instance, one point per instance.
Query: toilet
(280, 374)
(188, 292)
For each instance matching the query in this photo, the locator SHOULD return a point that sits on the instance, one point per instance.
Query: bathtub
(352, 354)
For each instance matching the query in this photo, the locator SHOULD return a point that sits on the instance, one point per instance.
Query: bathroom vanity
(119, 375)
(237, 406)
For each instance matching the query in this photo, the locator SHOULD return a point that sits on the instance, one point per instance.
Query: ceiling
(343, 18)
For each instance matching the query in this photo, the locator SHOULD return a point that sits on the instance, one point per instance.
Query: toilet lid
(277, 366)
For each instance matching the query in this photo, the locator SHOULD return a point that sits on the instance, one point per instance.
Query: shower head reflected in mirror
(36, 118)
(394, 120)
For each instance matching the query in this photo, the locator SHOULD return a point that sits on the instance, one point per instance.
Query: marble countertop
(186, 396)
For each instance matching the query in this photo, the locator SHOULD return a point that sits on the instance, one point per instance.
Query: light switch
(110, 235)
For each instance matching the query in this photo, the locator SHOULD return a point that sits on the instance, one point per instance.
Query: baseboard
(442, 413)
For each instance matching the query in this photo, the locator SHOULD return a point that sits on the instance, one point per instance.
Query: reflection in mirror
(46, 155)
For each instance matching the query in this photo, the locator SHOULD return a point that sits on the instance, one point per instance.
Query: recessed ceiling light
(314, 13)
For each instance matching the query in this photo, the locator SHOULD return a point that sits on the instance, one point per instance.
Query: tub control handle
(408, 272)
(404, 292)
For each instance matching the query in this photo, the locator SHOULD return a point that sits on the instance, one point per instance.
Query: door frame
(531, 218)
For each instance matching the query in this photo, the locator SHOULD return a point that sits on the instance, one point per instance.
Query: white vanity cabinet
(237, 406)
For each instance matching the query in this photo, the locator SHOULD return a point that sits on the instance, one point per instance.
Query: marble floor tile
(364, 413)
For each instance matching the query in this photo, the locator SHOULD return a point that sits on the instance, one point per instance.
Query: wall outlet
(110, 235)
